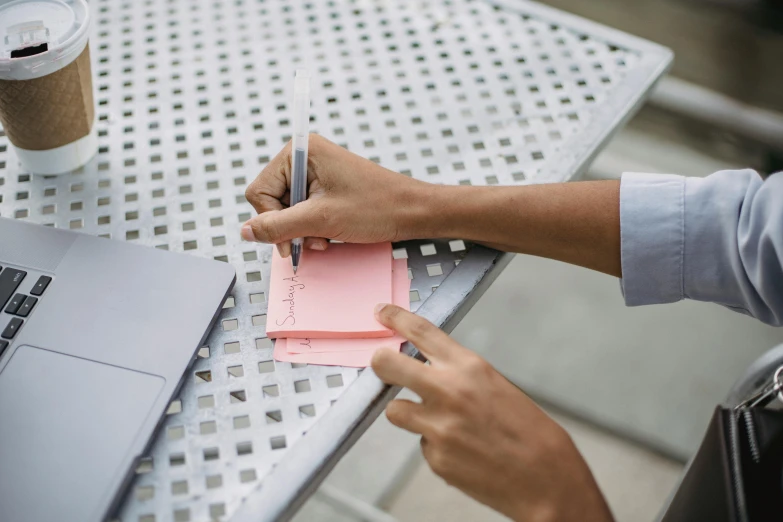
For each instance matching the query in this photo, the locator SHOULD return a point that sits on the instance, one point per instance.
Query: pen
(299, 147)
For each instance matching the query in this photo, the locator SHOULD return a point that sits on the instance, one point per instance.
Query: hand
(350, 199)
(356, 201)
(481, 434)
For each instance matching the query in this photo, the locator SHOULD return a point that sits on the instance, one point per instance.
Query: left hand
(481, 434)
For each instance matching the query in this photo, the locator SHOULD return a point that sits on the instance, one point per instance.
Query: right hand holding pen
(351, 199)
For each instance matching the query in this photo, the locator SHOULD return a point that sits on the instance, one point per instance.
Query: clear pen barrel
(300, 145)
(299, 176)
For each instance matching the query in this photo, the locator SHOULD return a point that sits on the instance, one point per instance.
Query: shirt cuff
(652, 232)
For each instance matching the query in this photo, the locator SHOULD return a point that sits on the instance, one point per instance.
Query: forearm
(578, 223)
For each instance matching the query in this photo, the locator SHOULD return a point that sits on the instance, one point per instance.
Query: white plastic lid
(39, 37)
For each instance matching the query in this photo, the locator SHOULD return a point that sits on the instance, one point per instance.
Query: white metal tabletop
(193, 99)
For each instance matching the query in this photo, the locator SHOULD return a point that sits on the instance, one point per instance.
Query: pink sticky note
(354, 359)
(333, 294)
(401, 286)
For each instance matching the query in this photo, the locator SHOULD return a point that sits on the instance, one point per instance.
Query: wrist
(463, 212)
(573, 495)
(427, 211)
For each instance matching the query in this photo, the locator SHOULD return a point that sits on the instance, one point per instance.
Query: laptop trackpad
(65, 425)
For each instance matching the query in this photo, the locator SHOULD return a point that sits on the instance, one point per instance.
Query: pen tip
(295, 267)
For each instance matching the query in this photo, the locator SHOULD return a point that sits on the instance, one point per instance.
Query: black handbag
(737, 473)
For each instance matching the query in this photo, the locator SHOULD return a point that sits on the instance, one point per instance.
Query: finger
(316, 243)
(395, 368)
(284, 249)
(269, 187)
(428, 338)
(277, 226)
(426, 447)
(407, 415)
(438, 461)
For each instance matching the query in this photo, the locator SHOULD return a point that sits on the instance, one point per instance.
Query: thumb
(277, 226)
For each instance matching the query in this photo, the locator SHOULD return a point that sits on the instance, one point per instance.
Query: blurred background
(635, 387)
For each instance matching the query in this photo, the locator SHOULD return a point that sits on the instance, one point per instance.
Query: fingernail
(379, 308)
(318, 245)
(247, 232)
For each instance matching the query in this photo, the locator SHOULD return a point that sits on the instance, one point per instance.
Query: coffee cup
(46, 100)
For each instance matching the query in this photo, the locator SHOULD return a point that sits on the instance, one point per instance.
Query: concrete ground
(635, 387)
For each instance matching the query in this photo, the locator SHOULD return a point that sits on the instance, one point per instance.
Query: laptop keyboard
(16, 306)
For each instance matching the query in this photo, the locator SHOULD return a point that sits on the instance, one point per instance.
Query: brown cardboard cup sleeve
(51, 111)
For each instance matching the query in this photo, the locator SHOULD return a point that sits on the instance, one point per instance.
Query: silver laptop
(95, 337)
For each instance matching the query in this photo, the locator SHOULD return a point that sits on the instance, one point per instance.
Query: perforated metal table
(193, 100)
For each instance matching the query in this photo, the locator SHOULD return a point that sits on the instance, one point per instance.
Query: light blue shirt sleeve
(717, 239)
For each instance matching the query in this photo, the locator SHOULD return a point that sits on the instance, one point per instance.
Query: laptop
(95, 339)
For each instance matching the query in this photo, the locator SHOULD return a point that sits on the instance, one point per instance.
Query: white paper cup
(46, 100)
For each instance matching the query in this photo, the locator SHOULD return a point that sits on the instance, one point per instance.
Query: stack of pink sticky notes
(324, 314)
